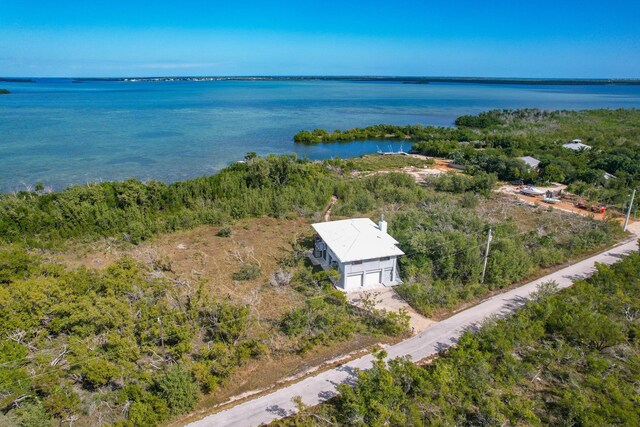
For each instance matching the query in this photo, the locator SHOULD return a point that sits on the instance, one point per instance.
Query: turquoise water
(59, 133)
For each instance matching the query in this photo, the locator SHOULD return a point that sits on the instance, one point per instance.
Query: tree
(178, 389)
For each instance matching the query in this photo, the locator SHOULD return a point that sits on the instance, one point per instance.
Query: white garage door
(354, 281)
(373, 278)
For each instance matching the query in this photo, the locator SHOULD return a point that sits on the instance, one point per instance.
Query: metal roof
(577, 146)
(531, 161)
(357, 239)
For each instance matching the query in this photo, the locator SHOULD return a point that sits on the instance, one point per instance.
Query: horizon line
(323, 76)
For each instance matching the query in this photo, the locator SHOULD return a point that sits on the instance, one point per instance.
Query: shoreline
(381, 79)
(390, 79)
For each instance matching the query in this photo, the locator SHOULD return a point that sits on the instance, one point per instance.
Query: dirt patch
(566, 203)
(192, 256)
(441, 166)
(419, 173)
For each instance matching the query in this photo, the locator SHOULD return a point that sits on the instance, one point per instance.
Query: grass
(377, 162)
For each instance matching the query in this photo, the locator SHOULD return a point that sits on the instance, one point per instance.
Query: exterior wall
(371, 265)
(324, 262)
(331, 257)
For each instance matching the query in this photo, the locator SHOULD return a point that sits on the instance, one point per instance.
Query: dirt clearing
(192, 256)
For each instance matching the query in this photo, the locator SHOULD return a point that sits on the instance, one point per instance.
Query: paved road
(321, 387)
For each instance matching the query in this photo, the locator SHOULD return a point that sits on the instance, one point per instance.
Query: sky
(538, 39)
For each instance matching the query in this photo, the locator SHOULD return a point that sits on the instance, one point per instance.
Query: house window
(357, 262)
(386, 258)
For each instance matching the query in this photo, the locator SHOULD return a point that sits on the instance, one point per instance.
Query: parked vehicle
(593, 208)
(531, 191)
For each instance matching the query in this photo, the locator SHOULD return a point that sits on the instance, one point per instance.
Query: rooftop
(357, 239)
(531, 161)
(576, 145)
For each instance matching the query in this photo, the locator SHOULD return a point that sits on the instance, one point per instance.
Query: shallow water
(59, 133)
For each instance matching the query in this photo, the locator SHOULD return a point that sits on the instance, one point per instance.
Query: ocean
(59, 133)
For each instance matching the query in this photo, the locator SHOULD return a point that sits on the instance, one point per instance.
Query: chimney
(382, 225)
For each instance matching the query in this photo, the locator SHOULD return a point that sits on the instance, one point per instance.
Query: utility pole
(486, 255)
(626, 220)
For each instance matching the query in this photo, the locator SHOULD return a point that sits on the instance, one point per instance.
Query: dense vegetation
(445, 237)
(277, 186)
(417, 133)
(567, 358)
(107, 343)
(125, 346)
(493, 142)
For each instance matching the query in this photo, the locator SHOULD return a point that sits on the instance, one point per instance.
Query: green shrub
(224, 232)
(145, 409)
(247, 271)
(32, 415)
(178, 389)
(98, 372)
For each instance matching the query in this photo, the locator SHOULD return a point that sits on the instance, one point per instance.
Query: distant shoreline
(405, 80)
(398, 79)
(15, 80)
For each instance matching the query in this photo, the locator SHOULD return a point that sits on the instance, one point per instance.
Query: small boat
(551, 200)
(531, 191)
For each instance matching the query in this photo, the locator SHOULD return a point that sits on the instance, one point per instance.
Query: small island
(4, 92)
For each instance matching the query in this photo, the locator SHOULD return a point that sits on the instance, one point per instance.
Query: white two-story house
(360, 250)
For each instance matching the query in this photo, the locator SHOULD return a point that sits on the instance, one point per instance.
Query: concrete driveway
(439, 336)
(386, 298)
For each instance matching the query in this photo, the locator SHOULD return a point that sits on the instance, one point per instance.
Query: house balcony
(319, 261)
(322, 263)
(316, 261)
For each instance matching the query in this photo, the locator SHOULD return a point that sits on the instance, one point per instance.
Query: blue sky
(561, 38)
